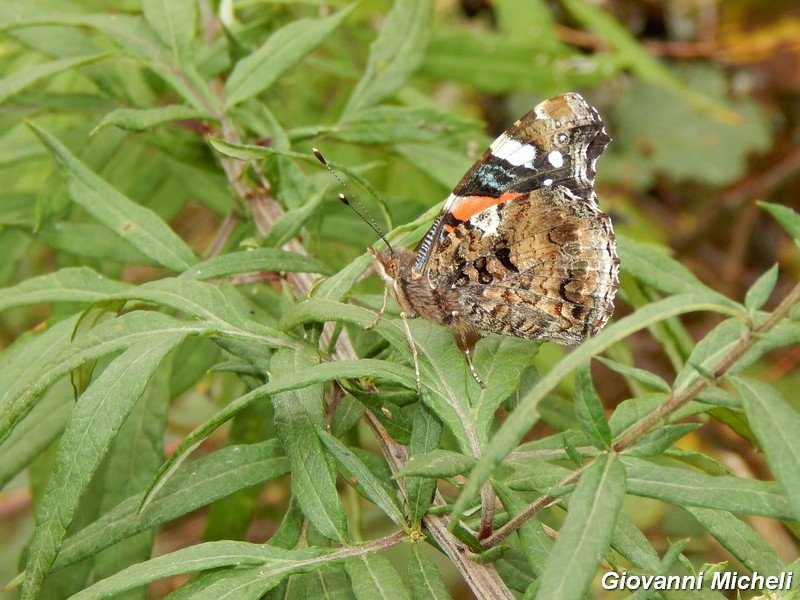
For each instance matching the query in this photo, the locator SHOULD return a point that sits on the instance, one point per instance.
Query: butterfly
(520, 247)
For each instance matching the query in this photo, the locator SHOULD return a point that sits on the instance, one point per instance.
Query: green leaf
(739, 539)
(247, 583)
(207, 479)
(423, 577)
(501, 361)
(709, 351)
(250, 261)
(646, 377)
(443, 369)
(133, 36)
(586, 534)
(71, 237)
(652, 266)
(787, 334)
(282, 51)
(389, 413)
(97, 417)
(786, 218)
(389, 124)
(362, 478)
(658, 441)
(496, 63)
(134, 457)
(319, 373)
(139, 119)
(271, 562)
(777, 427)
(132, 222)
(372, 576)
(589, 409)
(174, 21)
(634, 545)
(761, 290)
(437, 463)
(16, 82)
(518, 424)
(686, 487)
(395, 54)
(289, 223)
(630, 411)
(298, 416)
(22, 363)
(533, 540)
(426, 436)
(65, 355)
(72, 284)
(206, 302)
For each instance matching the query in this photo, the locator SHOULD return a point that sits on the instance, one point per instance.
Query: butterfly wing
(521, 242)
(549, 272)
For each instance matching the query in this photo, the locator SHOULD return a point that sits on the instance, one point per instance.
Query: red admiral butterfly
(520, 247)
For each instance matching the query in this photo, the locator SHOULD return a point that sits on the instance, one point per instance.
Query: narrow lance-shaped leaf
(423, 576)
(362, 478)
(688, 487)
(286, 382)
(174, 21)
(426, 435)
(740, 539)
(641, 375)
(298, 416)
(16, 82)
(140, 226)
(788, 218)
(95, 421)
(373, 576)
(395, 54)
(437, 463)
(586, 533)
(589, 409)
(211, 555)
(282, 51)
(206, 480)
(777, 427)
(139, 119)
(72, 284)
(107, 338)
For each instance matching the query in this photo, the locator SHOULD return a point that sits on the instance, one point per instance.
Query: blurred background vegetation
(701, 98)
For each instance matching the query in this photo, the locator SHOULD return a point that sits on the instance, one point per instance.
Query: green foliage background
(187, 385)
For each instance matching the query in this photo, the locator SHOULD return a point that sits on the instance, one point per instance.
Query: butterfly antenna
(363, 213)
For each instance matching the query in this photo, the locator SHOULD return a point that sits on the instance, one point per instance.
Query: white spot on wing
(487, 221)
(513, 151)
(556, 159)
(547, 181)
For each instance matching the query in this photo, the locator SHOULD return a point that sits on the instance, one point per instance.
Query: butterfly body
(520, 247)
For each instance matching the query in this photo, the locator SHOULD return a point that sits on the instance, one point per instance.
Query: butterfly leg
(410, 339)
(382, 310)
(466, 338)
(472, 370)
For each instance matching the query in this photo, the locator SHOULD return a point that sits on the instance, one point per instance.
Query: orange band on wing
(467, 206)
